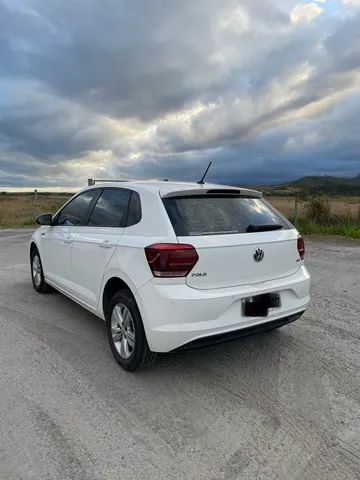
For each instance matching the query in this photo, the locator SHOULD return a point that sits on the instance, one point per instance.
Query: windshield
(219, 215)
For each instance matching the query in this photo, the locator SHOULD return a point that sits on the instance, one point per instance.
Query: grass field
(342, 213)
(21, 210)
(338, 206)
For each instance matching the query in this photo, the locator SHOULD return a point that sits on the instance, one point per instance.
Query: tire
(126, 333)
(37, 273)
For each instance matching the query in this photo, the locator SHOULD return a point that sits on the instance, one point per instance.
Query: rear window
(219, 215)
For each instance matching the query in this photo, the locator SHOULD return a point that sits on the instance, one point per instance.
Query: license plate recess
(258, 305)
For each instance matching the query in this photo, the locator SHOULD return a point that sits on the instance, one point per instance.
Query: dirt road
(282, 405)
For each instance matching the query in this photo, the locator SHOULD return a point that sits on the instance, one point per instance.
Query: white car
(172, 265)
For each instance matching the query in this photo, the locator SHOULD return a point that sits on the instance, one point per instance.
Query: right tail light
(301, 247)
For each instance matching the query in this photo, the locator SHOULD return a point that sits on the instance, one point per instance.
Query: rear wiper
(264, 228)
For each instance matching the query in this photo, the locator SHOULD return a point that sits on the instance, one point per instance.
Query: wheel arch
(33, 247)
(112, 285)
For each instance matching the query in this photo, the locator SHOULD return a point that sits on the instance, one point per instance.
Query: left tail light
(171, 259)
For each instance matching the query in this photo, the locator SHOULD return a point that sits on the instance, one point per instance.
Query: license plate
(258, 306)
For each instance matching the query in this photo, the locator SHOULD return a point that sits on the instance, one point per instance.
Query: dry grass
(349, 206)
(20, 211)
(343, 213)
(323, 215)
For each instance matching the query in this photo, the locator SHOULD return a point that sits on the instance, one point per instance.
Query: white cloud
(150, 100)
(305, 12)
(351, 2)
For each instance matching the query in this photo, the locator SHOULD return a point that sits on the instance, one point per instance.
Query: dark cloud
(158, 88)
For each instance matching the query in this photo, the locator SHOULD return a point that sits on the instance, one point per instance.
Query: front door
(58, 239)
(56, 246)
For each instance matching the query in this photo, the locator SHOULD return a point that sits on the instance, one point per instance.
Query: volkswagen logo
(258, 254)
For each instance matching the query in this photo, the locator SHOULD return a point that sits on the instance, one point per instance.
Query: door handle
(68, 240)
(105, 244)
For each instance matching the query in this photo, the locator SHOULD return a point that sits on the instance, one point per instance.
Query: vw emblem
(258, 254)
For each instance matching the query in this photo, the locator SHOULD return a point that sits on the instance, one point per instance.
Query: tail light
(171, 259)
(301, 247)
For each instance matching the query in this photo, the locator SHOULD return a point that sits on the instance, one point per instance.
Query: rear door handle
(105, 244)
(68, 240)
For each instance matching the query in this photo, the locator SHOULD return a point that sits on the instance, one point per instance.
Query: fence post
(296, 214)
(36, 203)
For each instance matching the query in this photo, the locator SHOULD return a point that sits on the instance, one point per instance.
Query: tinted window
(134, 214)
(204, 215)
(75, 211)
(111, 208)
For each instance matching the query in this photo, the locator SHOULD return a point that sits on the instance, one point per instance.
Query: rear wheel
(126, 333)
(37, 273)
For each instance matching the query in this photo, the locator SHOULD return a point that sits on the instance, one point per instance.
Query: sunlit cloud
(128, 89)
(305, 12)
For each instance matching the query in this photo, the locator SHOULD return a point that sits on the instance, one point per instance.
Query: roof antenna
(201, 182)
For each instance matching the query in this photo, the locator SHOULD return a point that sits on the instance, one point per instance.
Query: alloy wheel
(123, 330)
(36, 270)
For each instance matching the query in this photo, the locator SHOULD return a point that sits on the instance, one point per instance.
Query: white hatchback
(172, 265)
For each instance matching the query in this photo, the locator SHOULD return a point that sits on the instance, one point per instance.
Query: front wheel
(126, 333)
(37, 273)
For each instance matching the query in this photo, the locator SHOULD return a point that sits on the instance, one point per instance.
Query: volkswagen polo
(172, 265)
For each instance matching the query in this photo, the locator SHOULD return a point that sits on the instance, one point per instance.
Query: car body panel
(91, 251)
(228, 260)
(80, 260)
(177, 314)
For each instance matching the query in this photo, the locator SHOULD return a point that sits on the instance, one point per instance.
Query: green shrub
(348, 227)
(318, 210)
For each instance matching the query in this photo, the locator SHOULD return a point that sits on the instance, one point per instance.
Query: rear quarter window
(134, 213)
(221, 215)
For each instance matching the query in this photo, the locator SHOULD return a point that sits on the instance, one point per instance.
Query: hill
(327, 184)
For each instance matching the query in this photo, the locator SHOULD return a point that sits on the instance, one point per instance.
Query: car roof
(166, 188)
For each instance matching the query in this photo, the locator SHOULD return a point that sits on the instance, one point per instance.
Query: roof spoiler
(236, 192)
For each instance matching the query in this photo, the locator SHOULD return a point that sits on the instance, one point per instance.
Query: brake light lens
(171, 259)
(301, 247)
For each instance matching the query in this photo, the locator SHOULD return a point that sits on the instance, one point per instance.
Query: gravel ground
(281, 405)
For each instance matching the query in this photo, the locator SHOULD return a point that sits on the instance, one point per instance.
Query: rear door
(95, 243)
(240, 240)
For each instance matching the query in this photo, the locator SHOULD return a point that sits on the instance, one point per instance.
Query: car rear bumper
(177, 316)
(236, 334)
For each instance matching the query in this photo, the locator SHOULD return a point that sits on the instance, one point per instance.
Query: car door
(58, 238)
(94, 243)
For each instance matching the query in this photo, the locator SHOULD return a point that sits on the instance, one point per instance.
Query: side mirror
(44, 219)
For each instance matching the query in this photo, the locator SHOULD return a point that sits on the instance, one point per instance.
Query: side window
(111, 208)
(134, 215)
(75, 212)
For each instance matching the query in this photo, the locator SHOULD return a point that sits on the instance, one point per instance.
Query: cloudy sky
(269, 90)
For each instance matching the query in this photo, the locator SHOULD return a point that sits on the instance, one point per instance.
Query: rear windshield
(219, 215)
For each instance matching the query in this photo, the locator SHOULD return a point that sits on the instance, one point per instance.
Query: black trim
(92, 204)
(82, 224)
(102, 190)
(134, 195)
(236, 334)
(125, 217)
(223, 191)
(128, 209)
